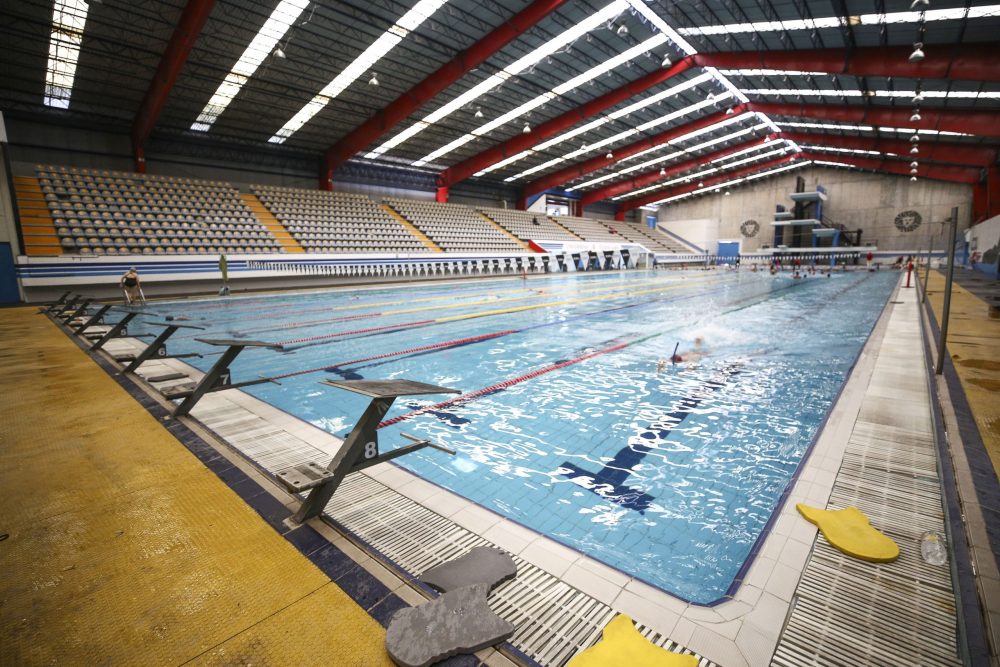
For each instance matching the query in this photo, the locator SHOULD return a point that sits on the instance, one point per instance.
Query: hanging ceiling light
(915, 138)
(622, 30)
(278, 53)
(609, 155)
(913, 179)
(373, 81)
(916, 117)
(913, 171)
(914, 150)
(914, 164)
(729, 111)
(918, 52)
(479, 112)
(666, 62)
(701, 184)
(918, 98)
(527, 129)
(920, 3)
(728, 193)
(663, 171)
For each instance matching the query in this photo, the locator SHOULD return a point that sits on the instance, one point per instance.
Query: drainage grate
(848, 611)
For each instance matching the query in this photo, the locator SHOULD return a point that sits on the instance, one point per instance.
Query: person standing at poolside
(131, 286)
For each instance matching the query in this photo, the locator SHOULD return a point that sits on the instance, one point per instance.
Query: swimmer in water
(692, 356)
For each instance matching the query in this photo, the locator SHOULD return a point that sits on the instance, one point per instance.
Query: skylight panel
(68, 20)
(378, 49)
(669, 156)
(830, 92)
(569, 36)
(711, 170)
(625, 134)
(850, 151)
(827, 163)
(587, 127)
(752, 177)
(260, 47)
(869, 128)
(561, 89)
(930, 15)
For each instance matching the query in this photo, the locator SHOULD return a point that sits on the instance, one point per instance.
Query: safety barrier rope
(399, 353)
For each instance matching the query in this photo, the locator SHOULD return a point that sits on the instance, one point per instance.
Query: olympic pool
(571, 420)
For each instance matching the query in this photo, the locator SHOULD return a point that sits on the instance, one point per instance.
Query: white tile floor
(743, 631)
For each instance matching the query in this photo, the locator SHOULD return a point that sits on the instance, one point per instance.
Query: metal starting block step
(166, 377)
(128, 356)
(178, 391)
(304, 477)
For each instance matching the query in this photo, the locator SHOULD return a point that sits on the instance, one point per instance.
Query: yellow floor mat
(974, 346)
(123, 548)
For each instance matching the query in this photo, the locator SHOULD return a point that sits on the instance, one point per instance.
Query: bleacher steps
(410, 227)
(504, 231)
(264, 216)
(34, 218)
(563, 227)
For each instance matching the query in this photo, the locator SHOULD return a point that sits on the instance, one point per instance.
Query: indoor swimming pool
(572, 419)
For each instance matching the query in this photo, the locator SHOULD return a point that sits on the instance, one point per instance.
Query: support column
(140, 159)
(326, 175)
(993, 192)
(441, 196)
(620, 215)
(980, 202)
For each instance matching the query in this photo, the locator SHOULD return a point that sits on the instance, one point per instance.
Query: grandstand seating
(111, 212)
(587, 229)
(654, 241)
(527, 225)
(337, 222)
(455, 227)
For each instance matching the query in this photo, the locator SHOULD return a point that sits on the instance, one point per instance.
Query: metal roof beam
(979, 123)
(549, 128)
(386, 119)
(969, 62)
(186, 33)
(563, 176)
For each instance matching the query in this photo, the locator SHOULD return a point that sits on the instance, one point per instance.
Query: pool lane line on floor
(506, 384)
(535, 293)
(479, 338)
(467, 316)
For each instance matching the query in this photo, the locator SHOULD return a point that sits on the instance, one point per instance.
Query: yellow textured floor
(974, 346)
(124, 549)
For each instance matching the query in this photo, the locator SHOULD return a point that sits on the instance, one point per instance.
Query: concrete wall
(867, 201)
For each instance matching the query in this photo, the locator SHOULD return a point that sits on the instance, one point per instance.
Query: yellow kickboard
(850, 531)
(621, 645)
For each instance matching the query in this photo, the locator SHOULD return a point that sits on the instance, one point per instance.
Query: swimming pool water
(567, 423)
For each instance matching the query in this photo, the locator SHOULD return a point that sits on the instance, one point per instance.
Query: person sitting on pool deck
(131, 286)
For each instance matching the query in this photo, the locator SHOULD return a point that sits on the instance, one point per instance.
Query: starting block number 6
(371, 450)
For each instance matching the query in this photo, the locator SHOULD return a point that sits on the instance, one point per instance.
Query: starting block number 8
(371, 450)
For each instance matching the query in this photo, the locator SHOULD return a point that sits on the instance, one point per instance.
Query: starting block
(360, 448)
